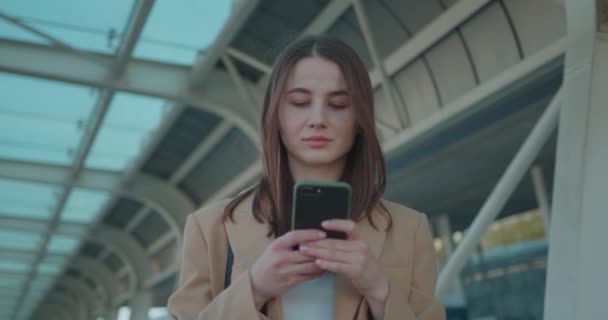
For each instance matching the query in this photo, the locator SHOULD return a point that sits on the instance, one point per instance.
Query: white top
(313, 299)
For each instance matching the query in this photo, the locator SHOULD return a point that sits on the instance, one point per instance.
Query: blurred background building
(118, 118)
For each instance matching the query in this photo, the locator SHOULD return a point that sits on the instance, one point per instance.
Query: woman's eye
(338, 106)
(299, 103)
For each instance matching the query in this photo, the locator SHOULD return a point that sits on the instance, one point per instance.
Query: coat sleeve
(194, 298)
(420, 303)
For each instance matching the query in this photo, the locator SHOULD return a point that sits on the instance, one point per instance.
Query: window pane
(26, 199)
(61, 244)
(131, 120)
(175, 30)
(14, 266)
(72, 22)
(42, 120)
(83, 205)
(19, 240)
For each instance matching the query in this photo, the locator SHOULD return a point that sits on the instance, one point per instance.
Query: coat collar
(248, 239)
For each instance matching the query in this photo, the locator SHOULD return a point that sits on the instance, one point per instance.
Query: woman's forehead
(316, 73)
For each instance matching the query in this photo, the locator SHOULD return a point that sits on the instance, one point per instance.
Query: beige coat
(405, 252)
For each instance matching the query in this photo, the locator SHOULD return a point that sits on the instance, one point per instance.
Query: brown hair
(365, 167)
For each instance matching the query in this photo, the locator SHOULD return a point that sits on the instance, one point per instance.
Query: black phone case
(315, 202)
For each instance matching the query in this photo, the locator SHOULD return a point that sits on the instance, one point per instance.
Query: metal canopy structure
(114, 129)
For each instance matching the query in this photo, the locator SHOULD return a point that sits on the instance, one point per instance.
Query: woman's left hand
(351, 258)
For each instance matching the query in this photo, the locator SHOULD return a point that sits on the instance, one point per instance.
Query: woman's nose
(317, 116)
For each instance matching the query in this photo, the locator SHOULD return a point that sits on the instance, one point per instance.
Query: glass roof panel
(41, 283)
(14, 266)
(12, 281)
(11, 31)
(54, 259)
(175, 31)
(8, 293)
(127, 127)
(83, 205)
(88, 25)
(45, 126)
(26, 199)
(62, 244)
(47, 268)
(8, 303)
(19, 240)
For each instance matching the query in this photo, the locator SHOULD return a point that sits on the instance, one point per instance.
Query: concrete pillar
(140, 304)
(576, 274)
(454, 296)
(111, 314)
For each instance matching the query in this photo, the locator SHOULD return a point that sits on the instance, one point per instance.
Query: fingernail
(325, 223)
(303, 248)
(322, 234)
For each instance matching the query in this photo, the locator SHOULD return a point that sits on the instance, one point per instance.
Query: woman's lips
(317, 142)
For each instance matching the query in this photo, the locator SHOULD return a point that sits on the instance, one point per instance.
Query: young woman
(317, 124)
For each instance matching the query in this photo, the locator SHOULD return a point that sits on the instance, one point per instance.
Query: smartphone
(317, 201)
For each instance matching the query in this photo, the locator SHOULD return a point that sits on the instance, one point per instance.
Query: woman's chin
(319, 161)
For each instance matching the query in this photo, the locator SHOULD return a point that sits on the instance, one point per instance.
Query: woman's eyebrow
(298, 90)
(332, 93)
(339, 93)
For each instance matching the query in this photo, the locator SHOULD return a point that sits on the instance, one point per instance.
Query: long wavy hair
(365, 166)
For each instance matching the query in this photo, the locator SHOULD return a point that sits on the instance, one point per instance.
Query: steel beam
(135, 279)
(162, 276)
(41, 225)
(238, 182)
(53, 311)
(387, 84)
(542, 196)
(327, 17)
(249, 60)
(97, 270)
(205, 63)
(161, 242)
(423, 40)
(246, 96)
(142, 77)
(201, 151)
(138, 19)
(169, 201)
(58, 175)
(518, 167)
(64, 302)
(527, 71)
(131, 251)
(78, 288)
(54, 41)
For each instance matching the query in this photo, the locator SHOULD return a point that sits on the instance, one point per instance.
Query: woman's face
(316, 116)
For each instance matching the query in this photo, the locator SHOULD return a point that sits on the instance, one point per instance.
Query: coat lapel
(347, 298)
(246, 235)
(248, 239)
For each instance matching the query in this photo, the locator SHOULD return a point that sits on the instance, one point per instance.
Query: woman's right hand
(281, 268)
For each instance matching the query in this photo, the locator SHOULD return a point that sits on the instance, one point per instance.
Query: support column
(111, 314)
(576, 274)
(454, 295)
(140, 304)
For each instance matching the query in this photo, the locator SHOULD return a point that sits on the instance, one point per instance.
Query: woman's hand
(281, 268)
(351, 258)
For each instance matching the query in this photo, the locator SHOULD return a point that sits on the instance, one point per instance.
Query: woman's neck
(329, 172)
